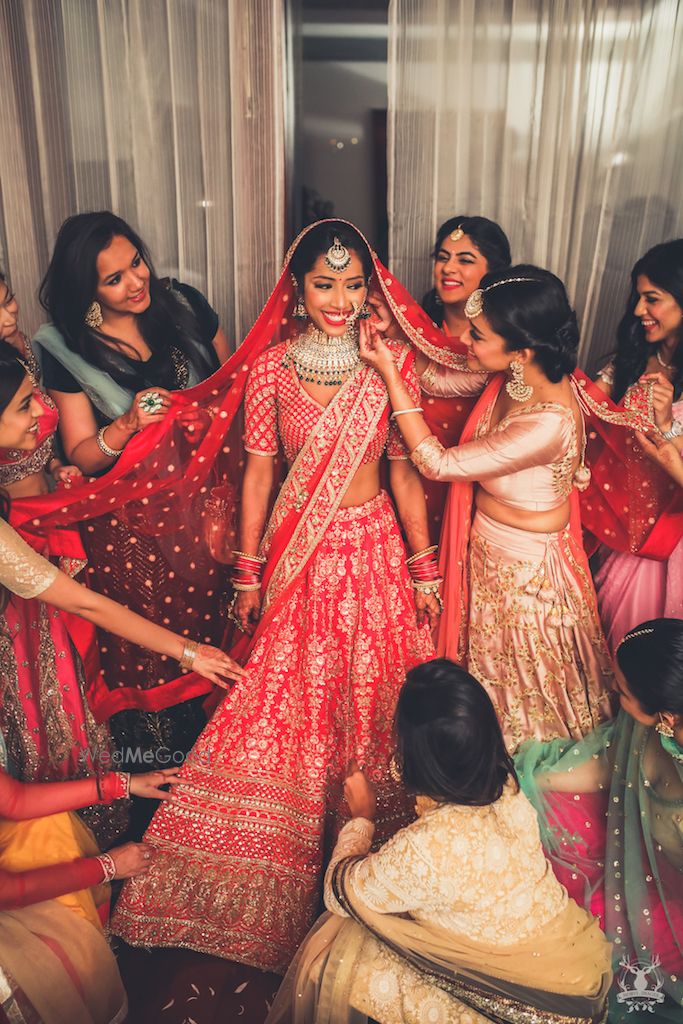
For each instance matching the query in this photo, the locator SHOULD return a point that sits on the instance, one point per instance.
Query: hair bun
(567, 335)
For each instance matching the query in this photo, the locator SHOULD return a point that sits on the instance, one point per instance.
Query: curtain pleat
(562, 121)
(170, 113)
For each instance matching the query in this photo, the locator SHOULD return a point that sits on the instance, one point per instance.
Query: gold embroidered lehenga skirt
(238, 862)
(535, 640)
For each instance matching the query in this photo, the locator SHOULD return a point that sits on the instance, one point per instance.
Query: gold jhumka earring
(517, 388)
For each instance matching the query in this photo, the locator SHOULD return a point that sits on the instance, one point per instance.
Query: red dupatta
(631, 505)
(165, 479)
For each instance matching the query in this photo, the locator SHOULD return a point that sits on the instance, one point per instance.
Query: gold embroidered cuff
(427, 457)
(429, 379)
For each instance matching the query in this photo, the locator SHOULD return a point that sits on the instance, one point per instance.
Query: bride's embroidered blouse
(279, 413)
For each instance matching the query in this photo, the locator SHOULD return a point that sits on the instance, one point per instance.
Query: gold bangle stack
(425, 551)
(189, 654)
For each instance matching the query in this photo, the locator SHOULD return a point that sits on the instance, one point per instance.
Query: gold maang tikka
(474, 306)
(337, 256)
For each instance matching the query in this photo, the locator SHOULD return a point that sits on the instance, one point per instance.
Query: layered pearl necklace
(321, 359)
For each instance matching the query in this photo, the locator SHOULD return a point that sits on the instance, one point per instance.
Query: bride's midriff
(28, 487)
(549, 521)
(364, 486)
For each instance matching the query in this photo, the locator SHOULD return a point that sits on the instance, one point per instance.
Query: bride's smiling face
(19, 419)
(331, 297)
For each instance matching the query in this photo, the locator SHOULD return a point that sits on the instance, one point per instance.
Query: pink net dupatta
(178, 481)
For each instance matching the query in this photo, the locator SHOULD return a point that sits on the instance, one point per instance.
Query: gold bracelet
(419, 554)
(112, 453)
(246, 588)
(189, 654)
(257, 558)
(430, 589)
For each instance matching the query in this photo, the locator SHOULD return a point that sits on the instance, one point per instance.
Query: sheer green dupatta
(560, 976)
(611, 812)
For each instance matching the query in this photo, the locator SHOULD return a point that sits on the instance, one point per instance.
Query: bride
(333, 610)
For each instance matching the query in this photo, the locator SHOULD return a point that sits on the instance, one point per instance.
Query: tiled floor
(179, 986)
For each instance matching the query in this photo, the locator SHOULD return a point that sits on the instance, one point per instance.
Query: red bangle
(108, 867)
(114, 786)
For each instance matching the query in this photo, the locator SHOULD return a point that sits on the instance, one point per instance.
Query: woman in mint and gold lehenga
(611, 809)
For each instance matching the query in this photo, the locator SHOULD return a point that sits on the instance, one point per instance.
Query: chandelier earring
(93, 316)
(517, 388)
(364, 313)
(664, 728)
(395, 769)
(300, 310)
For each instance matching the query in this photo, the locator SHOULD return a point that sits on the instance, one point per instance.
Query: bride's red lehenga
(239, 855)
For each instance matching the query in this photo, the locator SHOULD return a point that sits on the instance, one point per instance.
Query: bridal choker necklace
(321, 359)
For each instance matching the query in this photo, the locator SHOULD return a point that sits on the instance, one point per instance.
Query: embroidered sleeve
(396, 449)
(607, 373)
(260, 408)
(396, 879)
(536, 438)
(22, 570)
(445, 382)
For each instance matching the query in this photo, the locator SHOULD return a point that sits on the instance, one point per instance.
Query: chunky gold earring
(517, 388)
(93, 316)
(394, 769)
(663, 728)
(300, 310)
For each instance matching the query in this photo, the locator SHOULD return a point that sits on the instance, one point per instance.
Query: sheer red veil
(178, 481)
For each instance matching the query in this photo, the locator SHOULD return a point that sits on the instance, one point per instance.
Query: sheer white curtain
(168, 112)
(562, 121)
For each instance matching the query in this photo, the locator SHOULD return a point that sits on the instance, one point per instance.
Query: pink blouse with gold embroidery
(278, 412)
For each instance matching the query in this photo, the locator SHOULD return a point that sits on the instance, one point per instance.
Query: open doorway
(339, 165)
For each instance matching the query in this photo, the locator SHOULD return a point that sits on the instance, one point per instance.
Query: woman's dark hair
(450, 746)
(318, 241)
(533, 313)
(651, 658)
(12, 373)
(490, 240)
(663, 265)
(69, 285)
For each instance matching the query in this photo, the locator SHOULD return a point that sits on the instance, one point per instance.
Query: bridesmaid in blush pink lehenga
(520, 609)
